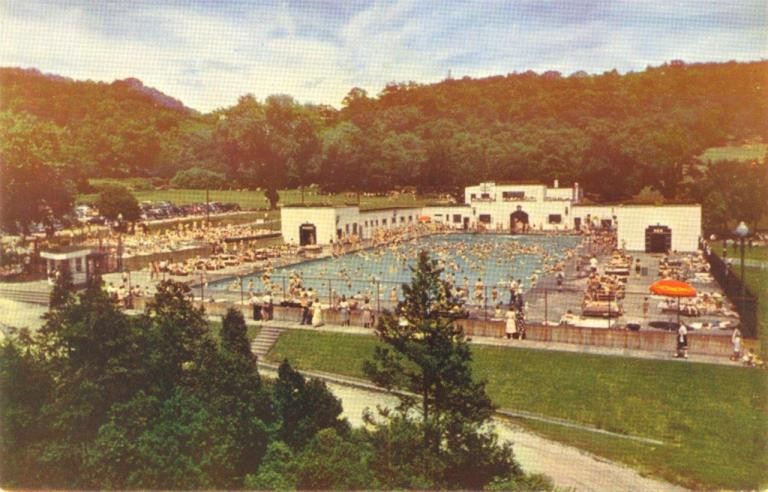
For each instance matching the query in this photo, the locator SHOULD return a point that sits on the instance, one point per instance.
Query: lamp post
(742, 231)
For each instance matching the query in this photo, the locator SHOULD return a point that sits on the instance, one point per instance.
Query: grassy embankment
(746, 152)
(711, 418)
(252, 200)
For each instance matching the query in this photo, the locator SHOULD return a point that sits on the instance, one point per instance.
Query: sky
(207, 53)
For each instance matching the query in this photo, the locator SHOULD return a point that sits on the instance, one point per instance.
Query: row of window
(375, 223)
(552, 218)
(505, 195)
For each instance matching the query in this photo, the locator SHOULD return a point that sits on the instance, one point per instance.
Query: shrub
(199, 179)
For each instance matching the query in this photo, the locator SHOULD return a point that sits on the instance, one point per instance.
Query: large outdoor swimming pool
(466, 257)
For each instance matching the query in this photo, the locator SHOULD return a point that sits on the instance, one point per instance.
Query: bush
(117, 200)
(199, 179)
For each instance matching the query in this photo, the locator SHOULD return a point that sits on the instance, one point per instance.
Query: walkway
(526, 344)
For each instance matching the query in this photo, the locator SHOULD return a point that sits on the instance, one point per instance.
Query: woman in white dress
(317, 314)
(511, 324)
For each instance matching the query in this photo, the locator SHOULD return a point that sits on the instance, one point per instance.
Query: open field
(746, 152)
(255, 200)
(712, 419)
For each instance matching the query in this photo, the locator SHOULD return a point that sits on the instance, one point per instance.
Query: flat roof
(326, 205)
(67, 249)
(385, 209)
(636, 205)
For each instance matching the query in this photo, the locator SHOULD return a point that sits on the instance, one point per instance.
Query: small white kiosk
(75, 259)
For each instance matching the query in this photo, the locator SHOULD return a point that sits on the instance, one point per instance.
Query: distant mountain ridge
(158, 96)
(40, 83)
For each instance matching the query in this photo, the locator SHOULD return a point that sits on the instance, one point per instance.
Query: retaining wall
(651, 341)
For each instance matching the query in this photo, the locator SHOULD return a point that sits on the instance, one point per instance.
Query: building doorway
(466, 223)
(577, 223)
(518, 220)
(307, 234)
(658, 239)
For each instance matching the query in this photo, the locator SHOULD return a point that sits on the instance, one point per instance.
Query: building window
(513, 195)
(472, 196)
(457, 218)
(383, 221)
(484, 218)
(402, 218)
(485, 196)
(410, 218)
(354, 228)
(555, 219)
(566, 210)
(79, 265)
(366, 223)
(346, 228)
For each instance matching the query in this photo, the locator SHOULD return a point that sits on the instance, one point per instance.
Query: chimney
(575, 192)
(557, 184)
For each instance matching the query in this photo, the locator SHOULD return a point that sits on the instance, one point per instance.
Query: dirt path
(569, 467)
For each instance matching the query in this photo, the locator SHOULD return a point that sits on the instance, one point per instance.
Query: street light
(742, 231)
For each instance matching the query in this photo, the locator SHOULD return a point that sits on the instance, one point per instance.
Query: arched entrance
(307, 234)
(518, 220)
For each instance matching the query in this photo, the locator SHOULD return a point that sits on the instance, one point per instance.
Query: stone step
(264, 341)
(28, 296)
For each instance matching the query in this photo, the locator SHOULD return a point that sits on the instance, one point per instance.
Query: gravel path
(569, 467)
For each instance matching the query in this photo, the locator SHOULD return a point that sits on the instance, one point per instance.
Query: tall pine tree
(426, 353)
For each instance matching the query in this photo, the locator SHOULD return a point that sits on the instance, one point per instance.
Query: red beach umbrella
(673, 288)
(425, 218)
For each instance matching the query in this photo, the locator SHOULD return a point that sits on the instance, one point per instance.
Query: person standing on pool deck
(736, 341)
(317, 314)
(682, 342)
(510, 328)
(344, 311)
(366, 318)
(646, 305)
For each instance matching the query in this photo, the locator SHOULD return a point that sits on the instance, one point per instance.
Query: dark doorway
(466, 223)
(307, 234)
(518, 220)
(658, 239)
(577, 223)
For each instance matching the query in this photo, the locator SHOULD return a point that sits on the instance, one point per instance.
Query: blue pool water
(495, 259)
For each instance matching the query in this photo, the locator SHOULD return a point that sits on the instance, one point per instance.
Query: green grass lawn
(746, 152)
(251, 331)
(712, 418)
(255, 200)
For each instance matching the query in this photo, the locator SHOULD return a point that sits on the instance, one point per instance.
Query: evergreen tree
(63, 291)
(427, 354)
(233, 333)
(304, 407)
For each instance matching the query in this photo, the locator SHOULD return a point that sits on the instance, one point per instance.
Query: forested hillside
(615, 134)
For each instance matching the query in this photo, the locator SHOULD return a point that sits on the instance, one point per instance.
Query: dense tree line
(97, 399)
(615, 134)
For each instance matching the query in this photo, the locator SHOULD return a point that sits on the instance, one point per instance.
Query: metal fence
(736, 290)
(543, 304)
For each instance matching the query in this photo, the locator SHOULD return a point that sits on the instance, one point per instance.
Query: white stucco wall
(444, 215)
(683, 220)
(538, 213)
(324, 219)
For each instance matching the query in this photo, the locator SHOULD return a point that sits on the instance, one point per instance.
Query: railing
(734, 287)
